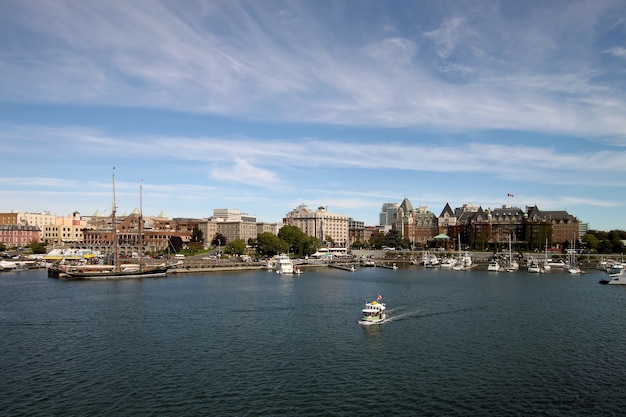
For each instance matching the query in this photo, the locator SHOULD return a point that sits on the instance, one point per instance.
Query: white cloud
(243, 171)
(616, 51)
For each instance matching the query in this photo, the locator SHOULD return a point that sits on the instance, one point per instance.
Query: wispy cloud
(233, 58)
(616, 51)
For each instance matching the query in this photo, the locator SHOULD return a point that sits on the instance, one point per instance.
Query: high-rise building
(388, 213)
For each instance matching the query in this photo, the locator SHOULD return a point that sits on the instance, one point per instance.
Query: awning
(442, 236)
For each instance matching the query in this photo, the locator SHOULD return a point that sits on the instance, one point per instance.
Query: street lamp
(219, 251)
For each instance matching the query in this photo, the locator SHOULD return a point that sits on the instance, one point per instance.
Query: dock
(349, 268)
(392, 266)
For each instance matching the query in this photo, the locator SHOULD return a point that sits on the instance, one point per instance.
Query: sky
(262, 106)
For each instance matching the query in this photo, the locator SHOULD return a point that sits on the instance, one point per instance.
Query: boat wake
(398, 314)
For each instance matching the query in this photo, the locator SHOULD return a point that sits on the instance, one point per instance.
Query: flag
(510, 195)
(379, 297)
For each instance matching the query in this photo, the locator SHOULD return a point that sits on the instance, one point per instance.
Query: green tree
(358, 244)
(393, 239)
(236, 247)
(310, 246)
(37, 248)
(591, 242)
(195, 246)
(270, 244)
(298, 241)
(196, 235)
(377, 240)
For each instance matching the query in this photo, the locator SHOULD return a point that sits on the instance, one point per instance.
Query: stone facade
(320, 224)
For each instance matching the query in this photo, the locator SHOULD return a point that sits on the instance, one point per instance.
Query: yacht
(494, 266)
(618, 278)
(284, 265)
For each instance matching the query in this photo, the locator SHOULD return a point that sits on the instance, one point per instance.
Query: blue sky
(265, 105)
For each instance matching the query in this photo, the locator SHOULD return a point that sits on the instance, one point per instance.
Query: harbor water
(256, 343)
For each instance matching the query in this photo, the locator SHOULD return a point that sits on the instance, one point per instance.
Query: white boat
(117, 270)
(556, 264)
(618, 278)
(493, 266)
(463, 261)
(447, 262)
(512, 264)
(14, 266)
(367, 262)
(572, 266)
(284, 265)
(297, 270)
(616, 268)
(374, 312)
(534, 267)
(429, 260)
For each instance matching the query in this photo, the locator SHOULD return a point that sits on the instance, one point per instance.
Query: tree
(219, 240)
(358, 244)
(196, 235)
(591, 242)
(393, 239)
(236, 247)
(377, 240)
(270, 244)
(298, 241)
(176, 243)
(37, 248)
(310, 245)
(195, 246)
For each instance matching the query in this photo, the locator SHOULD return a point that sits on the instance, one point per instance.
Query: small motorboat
(374, 312)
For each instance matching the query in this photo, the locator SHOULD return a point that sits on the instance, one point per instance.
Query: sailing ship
(117, 270)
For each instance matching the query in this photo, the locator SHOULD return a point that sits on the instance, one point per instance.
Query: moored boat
(116, 270)
(284, 265)
(493, 266)
(374, 312)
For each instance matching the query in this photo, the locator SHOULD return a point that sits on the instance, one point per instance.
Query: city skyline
(265, 106)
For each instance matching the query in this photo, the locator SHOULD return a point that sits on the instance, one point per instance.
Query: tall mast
(141, 225)
(115, 242)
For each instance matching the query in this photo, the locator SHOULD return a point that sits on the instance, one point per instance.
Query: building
(418, 225)
(232, 224)
(60, 234)
(356, 231)
(528, 229)
(320, 224)
(18, 235)
(388, 214)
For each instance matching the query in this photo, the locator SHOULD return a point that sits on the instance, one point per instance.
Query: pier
(349, 268)
(392, 266)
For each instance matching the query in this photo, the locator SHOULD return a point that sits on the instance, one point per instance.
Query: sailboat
(116, 270)
(461, 263)
(572, 268)
(546, 264)
(512, 265)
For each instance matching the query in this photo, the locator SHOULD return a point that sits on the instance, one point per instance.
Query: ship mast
(116, 254)
(141, 225)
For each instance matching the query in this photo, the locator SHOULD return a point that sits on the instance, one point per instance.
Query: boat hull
(150, 273)
(370, 322)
